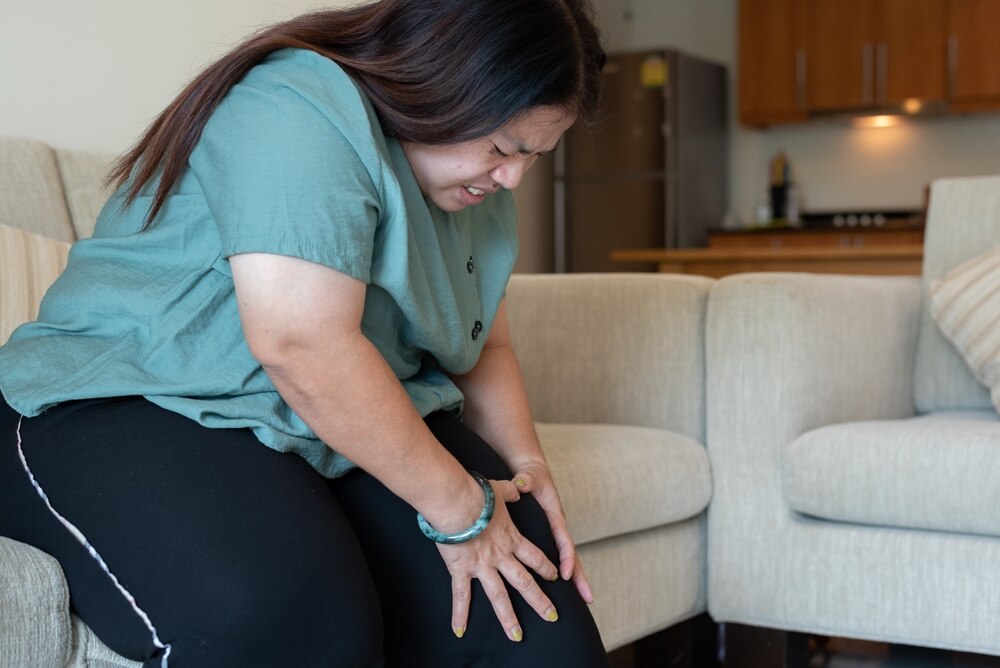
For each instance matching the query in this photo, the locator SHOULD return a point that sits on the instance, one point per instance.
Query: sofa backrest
(963, 220)
(31, 193)
(622, 349)
(82, 174)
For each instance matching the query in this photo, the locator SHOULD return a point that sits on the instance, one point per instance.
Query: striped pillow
(29, 263)
(966, 306)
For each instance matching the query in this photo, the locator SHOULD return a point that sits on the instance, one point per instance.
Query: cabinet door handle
(882, 72)
(952, 63)
(800, 79)
(866, 75)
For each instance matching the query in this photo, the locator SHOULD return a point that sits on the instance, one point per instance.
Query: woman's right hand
(499, 553)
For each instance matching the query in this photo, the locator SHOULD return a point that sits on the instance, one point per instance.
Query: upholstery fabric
(647, 581)
(612, 348)
(963, 219)
(30, 263)
(937, 472)
(618, 479)
(90, 652)
(34, 607)
(966, 306)
(82, 174)
(31, 196)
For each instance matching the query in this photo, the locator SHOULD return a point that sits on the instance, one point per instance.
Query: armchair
(855, 458)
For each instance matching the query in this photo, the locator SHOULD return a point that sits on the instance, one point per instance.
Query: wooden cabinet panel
(910, 51)
(840, 53)
(874, 53)
(771, 61)
(974, 53)
(802, 56)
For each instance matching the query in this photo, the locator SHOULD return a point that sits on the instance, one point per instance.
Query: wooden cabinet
(910, 51)
(840, 68)
(797, 57)
(771, 61)
(973, 54)
(866, 54)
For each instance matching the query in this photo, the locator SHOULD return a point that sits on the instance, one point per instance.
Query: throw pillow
(29, 263)
(965, 303)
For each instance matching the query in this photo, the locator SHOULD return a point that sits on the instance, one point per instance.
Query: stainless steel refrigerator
(654, 173)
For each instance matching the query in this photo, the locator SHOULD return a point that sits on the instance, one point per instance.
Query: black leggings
(237, 555)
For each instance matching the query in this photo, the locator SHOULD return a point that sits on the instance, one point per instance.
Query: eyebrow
(523, 150)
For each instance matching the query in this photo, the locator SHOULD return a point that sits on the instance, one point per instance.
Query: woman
(308, 251)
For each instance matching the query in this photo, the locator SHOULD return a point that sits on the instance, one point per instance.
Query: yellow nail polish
(552, 615)
(520, 482)
(459, 631)
(516, 634)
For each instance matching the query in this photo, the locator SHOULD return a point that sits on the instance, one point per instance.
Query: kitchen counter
(893, 260)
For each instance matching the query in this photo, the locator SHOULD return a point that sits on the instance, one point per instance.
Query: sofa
(615, 369)
(855, 457)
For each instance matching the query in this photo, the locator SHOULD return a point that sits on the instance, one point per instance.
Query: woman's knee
(301, 617)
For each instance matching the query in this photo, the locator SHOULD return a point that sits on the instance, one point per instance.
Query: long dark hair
(436, 72)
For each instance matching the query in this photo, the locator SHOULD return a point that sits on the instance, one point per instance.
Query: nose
(509, 173)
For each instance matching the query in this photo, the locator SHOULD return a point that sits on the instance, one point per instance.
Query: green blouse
(293, 162)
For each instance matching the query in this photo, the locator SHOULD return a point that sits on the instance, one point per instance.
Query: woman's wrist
(473, 529)
(456, 507)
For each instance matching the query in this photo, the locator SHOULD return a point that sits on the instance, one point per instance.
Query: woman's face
(455, 176)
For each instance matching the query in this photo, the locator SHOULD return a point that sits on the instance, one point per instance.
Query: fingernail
(551, 615)
(516, 635)
(520, 482)
(459, 631)
(554, 578)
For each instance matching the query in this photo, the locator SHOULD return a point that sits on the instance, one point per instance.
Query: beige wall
(92, 74)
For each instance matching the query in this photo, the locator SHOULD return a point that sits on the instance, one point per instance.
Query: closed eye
(496, 151)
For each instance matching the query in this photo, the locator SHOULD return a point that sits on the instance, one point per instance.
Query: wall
(92, 74)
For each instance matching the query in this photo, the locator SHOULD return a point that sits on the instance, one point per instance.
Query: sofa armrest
(612, 348)
(34, 608)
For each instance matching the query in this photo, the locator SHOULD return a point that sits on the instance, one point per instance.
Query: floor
(857, 654)
(843, 653)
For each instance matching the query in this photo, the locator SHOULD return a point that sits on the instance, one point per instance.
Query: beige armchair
(856, 460)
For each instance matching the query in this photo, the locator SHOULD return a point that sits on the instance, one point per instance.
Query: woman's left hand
(534, 478)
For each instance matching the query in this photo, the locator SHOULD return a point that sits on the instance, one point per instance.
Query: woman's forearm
(350, 397)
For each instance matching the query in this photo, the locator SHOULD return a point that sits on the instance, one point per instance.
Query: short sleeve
(280, 176)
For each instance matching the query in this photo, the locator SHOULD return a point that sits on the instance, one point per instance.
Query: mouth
(474, 191)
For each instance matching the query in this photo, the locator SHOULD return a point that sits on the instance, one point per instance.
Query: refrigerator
(653, 174)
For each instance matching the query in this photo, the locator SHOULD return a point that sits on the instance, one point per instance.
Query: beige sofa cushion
(963, 219)
(938, 472)
(966, 306)
(30, 264)
(31, 196)
(34, 608)
(616, 480)
(83, 175)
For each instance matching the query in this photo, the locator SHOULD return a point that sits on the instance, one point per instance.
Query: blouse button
(470, 266)
(477, 328)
